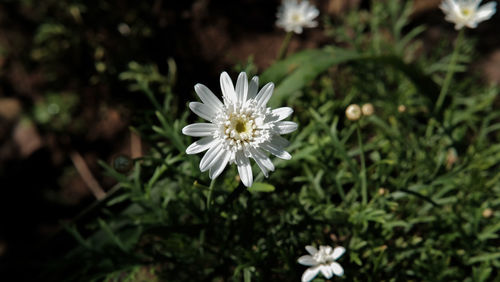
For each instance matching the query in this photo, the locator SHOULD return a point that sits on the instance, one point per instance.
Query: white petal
(312, 13)
(244, 169)
(264, 94)
(199, 129)
(242, 87)
(277, 151)
(326, 249)
(219, 166)
(307, 260)
(310, 273)
(200, 145)
(475, 3)
(453, 7)
(208, 97)
(253, 87)
(337, 252)
(311, 24)
(285, 127)
(227, 87)
(210, 157)
(280, 114)
(264, 163)
(337, 269)
(262, 167)
(279, 141)
(485, 12)
(327, 271)
(472, 24)
(312, 250)
(202, 110)
(445, 6)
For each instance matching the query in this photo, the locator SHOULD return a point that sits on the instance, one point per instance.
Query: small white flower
(353, 112)
(322, 260)
(367, 109)
(241, 128)
(467, 12)
(294, 16)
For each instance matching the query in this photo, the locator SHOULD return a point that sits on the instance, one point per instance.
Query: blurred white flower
(322, 260)
(294, 16)
(467, 12)
(124, 29)
(367, 109)
(241, 128)
(353, 112)
(401, 108)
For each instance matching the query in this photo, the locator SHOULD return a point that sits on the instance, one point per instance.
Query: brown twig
(135, 145)
(86, 175)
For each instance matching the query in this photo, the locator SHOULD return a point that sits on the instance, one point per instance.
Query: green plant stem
(145, 88)
(450, 71)
(210, 191)
(233, 196)
(284, 46)
(364, 194)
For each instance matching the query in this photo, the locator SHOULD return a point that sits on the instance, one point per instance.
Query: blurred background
(63, 105)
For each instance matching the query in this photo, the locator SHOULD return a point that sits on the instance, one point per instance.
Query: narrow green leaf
(261, 187)
(484, 257)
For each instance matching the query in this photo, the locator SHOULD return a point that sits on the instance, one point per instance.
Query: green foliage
(430, 178)
(55, 110)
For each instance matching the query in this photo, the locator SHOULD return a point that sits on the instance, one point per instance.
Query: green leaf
(484, 257)
(261, 187)
(111, 235)
(295, 72)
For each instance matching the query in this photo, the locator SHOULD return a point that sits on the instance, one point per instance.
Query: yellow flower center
(296, 17)
(240, 126)
(466, 12)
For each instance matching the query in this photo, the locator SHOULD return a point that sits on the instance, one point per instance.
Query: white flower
(322, 260)
(241, 128)
(294, 16)
(353, 112)
(467, 12)
(367, 109)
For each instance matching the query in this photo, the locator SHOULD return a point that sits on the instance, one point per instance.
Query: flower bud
(353, 112)
(123, 163)
(367, 109)
(451, 158)
(487, 213)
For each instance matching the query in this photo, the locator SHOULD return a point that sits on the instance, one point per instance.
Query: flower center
(323, 255)
(240, 127)
(320, 257)
(466, 12)
(296, 17)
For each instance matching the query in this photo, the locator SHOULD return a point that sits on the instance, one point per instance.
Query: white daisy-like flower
(242, 127)
(322, 260)
(294, 16)
(467, 12)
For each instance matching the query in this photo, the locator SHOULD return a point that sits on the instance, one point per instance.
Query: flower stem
(209, 197)
(364, 194)
(284, 46)
(450, 71)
